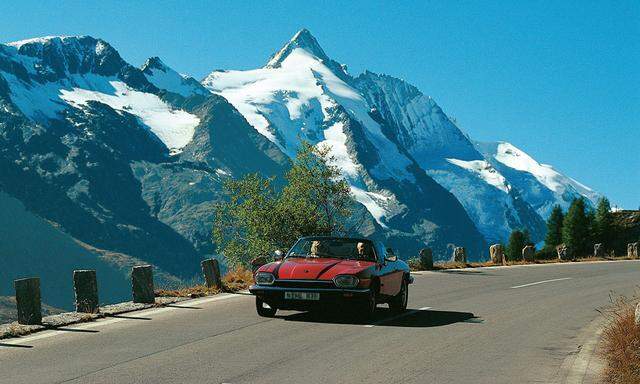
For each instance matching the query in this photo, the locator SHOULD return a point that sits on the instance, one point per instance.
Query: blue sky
(560, 81)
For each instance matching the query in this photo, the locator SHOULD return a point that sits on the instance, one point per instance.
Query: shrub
(621, 344)
(415, 264)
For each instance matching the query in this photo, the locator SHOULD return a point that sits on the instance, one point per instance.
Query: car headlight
(265, 278)
(346, 281)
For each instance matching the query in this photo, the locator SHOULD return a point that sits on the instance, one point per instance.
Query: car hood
(316, 268)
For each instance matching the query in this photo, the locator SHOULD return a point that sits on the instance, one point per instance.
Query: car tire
(264, 311)
(399, 302)
(366, 308)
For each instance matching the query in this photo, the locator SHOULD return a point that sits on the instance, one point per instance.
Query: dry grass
(621, 344)
(234, 281)
(237, 280)
(17, 330)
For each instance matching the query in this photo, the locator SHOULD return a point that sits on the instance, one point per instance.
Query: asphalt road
(490, 325)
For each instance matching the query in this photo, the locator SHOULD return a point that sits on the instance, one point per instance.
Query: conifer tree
(575, 229)
(517, 240)
(604, 223)
(554, 228)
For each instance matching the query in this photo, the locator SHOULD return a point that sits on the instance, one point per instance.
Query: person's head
(363, 249)
(315, 247)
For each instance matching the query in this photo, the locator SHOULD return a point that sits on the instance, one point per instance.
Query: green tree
(257, 219)
(604, 230)
(517, 240)
(575, 229)
(554, 228)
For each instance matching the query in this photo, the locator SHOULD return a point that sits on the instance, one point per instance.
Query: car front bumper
(274, 296)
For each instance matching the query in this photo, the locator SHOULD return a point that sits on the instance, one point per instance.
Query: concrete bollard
(598, 250)
(28, 301)
(426, 258)
(85, 287)
(211, 272)
(460, 255)
(142, 284)
(632, 250)
(497, 254)
(528, 253)
(561, 250)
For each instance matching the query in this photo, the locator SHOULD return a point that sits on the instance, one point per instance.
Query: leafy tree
(316, 199)
(554, 228)
(258, 219)
(604, 229)
(517, 240)
(575, 229)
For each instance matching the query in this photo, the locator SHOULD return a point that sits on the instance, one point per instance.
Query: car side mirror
(278, 255)
(391, 256)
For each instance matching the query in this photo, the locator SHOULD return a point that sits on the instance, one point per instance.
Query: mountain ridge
(133, 159)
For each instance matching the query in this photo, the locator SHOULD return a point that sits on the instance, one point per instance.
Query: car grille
(304, 284)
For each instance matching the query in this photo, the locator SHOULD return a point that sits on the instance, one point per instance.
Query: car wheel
(264, 309)
(367, 307)
(399, 303)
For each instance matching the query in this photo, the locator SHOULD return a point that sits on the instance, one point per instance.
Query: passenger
(364, 251)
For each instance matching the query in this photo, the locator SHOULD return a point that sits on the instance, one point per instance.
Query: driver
(364, 251)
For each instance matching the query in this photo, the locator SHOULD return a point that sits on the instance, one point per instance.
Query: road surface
(490, 325)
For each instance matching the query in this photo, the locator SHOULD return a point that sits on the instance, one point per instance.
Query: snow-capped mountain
(132, 160)
(449, 157)
(540, 184)
(302, 94)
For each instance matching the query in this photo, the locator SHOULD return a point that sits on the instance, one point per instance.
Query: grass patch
(621, 343)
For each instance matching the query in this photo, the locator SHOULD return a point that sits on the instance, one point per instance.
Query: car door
(390, 275)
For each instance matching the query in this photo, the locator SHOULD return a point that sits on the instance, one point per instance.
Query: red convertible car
(333, 271)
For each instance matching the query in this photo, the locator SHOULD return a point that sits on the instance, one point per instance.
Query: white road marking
(541, 282)
(112, 320)
(407, 313)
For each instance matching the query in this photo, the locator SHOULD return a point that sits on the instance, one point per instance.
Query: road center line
(407, 313)
(541, 282)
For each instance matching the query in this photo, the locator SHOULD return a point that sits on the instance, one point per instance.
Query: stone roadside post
(142, 284)
(632, 250)
(497, 254)
(426, 258)
(598, 250)
(85, 287)
(561, 250)
(460, 255)
(28, 301)
(528, 253)
(211, 272)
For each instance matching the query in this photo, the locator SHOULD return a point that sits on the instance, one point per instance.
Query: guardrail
(85, 287)
(85, 282)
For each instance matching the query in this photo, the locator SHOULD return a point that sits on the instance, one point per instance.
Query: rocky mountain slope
(131, 160)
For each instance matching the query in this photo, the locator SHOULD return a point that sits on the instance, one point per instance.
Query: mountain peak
(153, 63)
(303, 39)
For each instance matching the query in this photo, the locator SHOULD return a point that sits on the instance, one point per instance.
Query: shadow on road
(181, 306)
(15, 345)
(465, 272)
(64, 329)
(129, 317)
(384, 318)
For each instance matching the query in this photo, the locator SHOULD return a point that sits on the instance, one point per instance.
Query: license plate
(302, 295)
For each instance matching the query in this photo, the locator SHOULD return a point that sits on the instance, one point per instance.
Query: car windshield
(356, 249)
